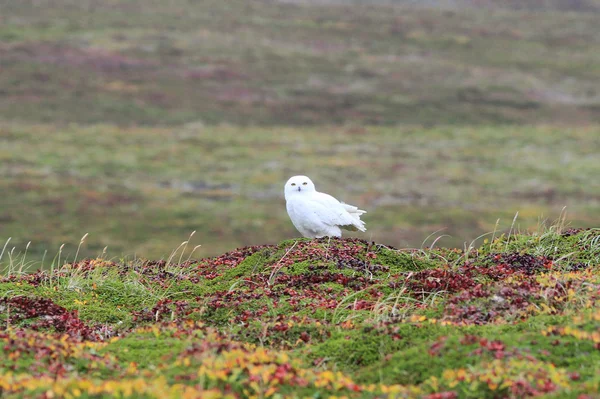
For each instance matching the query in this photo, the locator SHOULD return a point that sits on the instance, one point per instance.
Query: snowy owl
(316, 214)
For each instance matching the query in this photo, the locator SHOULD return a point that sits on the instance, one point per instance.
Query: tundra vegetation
(327, 318)
(140, 121)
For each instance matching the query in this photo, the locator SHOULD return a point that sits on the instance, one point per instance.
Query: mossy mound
(514, 318)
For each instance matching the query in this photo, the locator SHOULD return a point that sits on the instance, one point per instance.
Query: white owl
(316, 214)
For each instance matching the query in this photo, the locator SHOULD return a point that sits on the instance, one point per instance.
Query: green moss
(298, 268)
(335, 287)
(286, 244)
(399, 261)
(218, 316)
(144, 349)
(14, 289)
(317, 314)
(254, 264)
(364, 347)
(351, 350)
(413, 363)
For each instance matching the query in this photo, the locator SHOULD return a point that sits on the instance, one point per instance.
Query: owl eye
(304, 184)
(293, 184)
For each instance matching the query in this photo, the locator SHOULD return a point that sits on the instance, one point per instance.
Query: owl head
(298, 185)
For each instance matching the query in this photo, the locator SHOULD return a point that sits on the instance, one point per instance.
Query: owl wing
(335, 213)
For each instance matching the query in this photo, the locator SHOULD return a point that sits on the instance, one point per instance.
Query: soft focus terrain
(140, 122)
(286, 62)
(515, 318)
(143, 191)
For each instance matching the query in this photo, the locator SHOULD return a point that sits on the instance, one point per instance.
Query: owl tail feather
(355, 213)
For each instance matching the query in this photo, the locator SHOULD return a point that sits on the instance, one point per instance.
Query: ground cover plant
(516, 317)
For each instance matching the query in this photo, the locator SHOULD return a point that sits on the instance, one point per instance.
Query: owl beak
(299, 188)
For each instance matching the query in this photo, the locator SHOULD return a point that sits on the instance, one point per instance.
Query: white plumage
(316, 214)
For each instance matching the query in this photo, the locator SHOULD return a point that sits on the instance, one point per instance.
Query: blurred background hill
(141, 121)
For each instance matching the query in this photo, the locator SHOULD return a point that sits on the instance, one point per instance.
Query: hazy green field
(139, 123)
(143, 191)
(274, 63)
